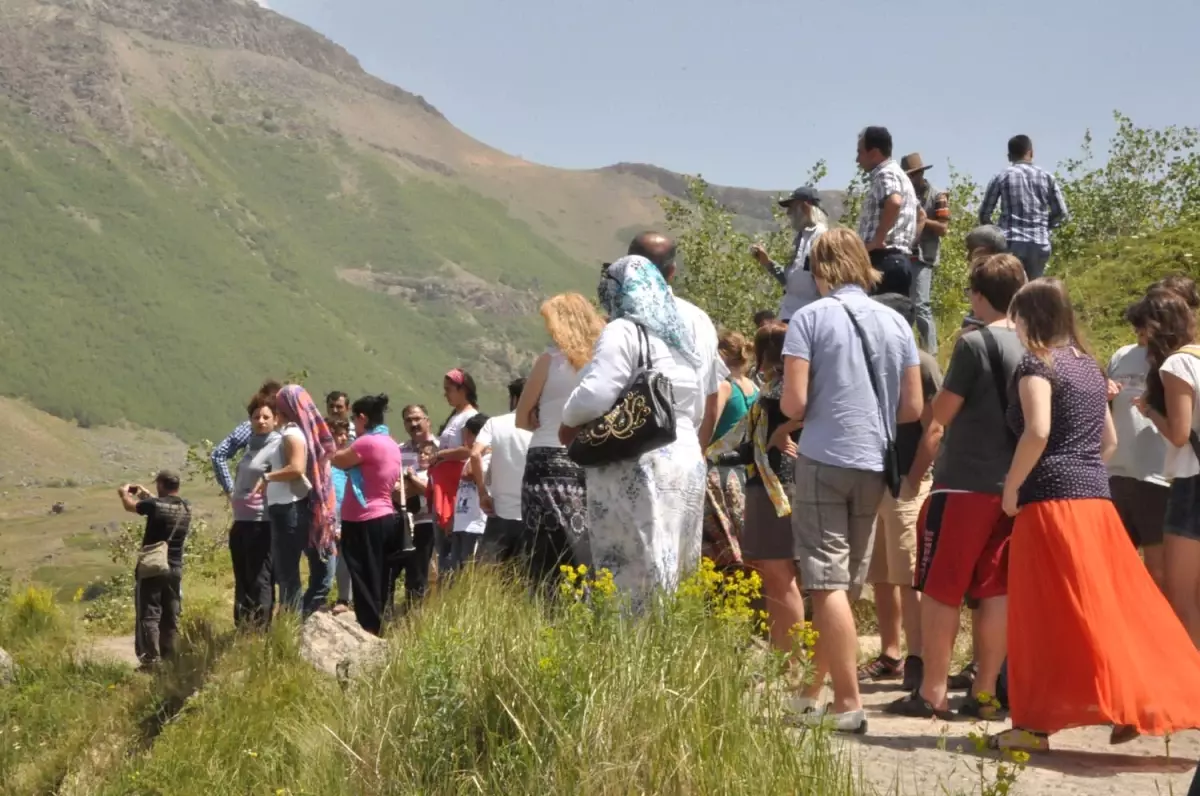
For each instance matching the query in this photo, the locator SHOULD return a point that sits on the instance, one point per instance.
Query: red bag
(443, 485)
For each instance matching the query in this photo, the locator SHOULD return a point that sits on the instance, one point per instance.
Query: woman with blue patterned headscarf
(644, 515)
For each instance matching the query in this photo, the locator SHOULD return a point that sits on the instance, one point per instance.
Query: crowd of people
(828, 452)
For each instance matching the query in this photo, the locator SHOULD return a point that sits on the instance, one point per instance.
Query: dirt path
(922, 757)
(111, 649)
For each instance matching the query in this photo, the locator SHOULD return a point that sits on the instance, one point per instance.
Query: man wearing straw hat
(933, 221)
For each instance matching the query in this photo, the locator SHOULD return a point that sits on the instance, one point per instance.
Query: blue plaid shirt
(229, 447)
(1031, 204)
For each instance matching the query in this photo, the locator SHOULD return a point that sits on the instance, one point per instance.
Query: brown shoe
(882, 668)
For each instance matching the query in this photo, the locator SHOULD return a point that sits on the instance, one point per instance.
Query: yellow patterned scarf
(759, 438)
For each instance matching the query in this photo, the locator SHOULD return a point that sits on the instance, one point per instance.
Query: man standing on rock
(933, 222)
(660, 250)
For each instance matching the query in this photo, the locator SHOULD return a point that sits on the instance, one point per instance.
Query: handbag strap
(862, 338)
(187, 513)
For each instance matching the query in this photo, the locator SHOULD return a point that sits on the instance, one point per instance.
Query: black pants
(414, 565)
(894, 265)
(372, 550)
(156, 603)
(253, 588)
(503, 541)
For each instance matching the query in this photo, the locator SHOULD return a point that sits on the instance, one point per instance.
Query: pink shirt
(380, 468)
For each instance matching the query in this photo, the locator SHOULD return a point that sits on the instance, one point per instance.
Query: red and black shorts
(963, 550)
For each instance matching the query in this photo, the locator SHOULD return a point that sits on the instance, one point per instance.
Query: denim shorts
(1183, 508)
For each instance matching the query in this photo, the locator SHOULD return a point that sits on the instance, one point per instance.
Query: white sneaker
(853, 722)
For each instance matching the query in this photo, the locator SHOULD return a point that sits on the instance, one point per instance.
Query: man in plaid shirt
(1031, 204)
(887, 223)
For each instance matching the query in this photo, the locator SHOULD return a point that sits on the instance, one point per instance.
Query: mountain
(196, 194)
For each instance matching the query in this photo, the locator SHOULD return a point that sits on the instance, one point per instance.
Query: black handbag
(641, 420)
(892, 477)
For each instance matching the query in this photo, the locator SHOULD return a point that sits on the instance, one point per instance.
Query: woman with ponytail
(447, 468)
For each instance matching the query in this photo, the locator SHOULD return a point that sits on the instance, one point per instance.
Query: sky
(753, 92)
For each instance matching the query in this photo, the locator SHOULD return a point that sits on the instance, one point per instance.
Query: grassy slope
(132, 293)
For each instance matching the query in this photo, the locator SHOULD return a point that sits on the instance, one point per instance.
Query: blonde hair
(734, 349)
(840, 258)
(574, 326)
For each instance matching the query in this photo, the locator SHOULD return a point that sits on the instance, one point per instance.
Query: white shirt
(1141, 451)
(613, 366)
(468, 510)
(452, 434)
(283, 492)
(561, 381)
(1181, 462)
(712, 368)
(509, 445)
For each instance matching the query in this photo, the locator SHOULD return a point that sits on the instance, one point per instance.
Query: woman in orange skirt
(1091, 639)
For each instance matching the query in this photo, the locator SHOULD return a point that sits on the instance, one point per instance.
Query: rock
(337, 646)
(8, 669)
(58, 508)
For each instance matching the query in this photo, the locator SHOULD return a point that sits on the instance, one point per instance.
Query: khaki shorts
(894, 560)
(833, 524)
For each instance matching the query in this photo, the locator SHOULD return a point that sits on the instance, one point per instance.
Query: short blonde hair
(840, 258)
(574, 326)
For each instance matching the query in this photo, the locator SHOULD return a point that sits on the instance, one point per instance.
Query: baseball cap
(805, 193)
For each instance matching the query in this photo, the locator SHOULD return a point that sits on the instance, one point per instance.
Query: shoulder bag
(641, 420)
(892, 477)
(152, 559)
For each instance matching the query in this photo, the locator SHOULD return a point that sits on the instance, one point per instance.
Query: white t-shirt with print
(1181, 462)
(468, 509)
(452, 434)
(1141, 451)
(509, 446)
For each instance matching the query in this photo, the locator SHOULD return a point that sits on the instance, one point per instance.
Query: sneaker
(964, 679)
(914, 671)
(853, 722)
(802, 705)
(882, 668)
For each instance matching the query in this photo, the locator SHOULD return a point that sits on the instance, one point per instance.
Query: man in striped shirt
(887, 223)
(1031, 204)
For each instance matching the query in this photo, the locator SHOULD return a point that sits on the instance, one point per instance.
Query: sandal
(974, 708)
(1018, 739)
(1123, 733)
(964, 679)
(915, 706)
(882, 668)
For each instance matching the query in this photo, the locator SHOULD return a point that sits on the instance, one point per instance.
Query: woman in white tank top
(554, 489)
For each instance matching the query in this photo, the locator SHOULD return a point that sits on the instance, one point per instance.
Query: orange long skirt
(1091, 639)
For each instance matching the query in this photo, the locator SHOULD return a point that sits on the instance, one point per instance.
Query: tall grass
(488, 691)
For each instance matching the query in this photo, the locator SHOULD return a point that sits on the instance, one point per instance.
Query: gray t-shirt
(248, 505)
(1141, 451)
(978, 446)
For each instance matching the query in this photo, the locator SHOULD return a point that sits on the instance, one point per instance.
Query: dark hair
(768, 345)
(1044, 307)
(270, 387)
(475, 423)
(337, 425)
(468, 385)
(901, 304)
(410, 407)
(877, 138)
(1019, 146)
(997, 278)
(1181, 285)
(168, 480)
(334, 396)
(516, 387)
(372, 407)
(428, 443)
(258, 401)
(1170, 324)
(762, 316)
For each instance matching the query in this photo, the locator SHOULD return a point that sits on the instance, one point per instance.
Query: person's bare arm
(131, 494)
(1108, 446)
(709, 423)
(532, 393)
(293, 457)
(346, 458)
(793, 401)
(1035, 395)
(912, 399)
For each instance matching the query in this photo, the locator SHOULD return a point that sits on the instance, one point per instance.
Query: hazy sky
(752, 92)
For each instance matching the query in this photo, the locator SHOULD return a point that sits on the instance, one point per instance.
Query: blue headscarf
(633, 288)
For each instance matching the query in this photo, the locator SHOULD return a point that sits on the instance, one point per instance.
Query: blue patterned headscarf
(633, 288)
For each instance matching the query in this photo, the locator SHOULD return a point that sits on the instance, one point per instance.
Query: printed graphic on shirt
(468, 511)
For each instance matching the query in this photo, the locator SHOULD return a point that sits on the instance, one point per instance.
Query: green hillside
(161, 288)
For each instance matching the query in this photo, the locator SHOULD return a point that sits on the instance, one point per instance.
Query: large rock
(8, 669)
(338, 646)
